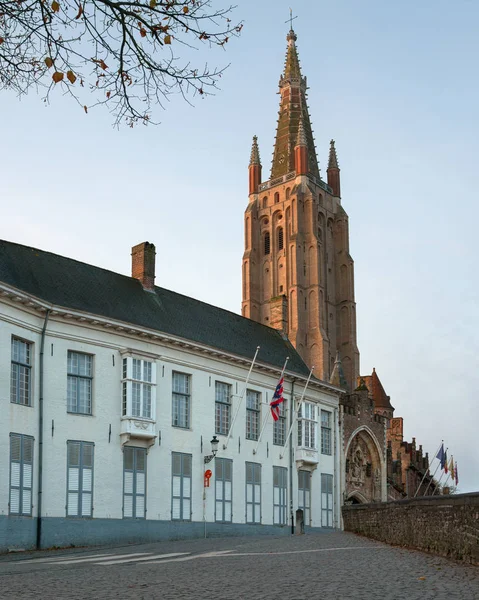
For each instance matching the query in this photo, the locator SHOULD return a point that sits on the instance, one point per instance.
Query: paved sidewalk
(336, 566)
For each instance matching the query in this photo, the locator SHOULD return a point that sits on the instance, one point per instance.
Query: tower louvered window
(267, 243)
(280, 238)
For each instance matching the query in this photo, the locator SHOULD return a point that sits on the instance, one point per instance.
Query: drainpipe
(291, 456)
(40, 434)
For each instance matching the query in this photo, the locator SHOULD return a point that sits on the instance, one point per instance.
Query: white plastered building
(111, 390)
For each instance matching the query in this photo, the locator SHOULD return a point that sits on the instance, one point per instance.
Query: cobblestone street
(326, 565)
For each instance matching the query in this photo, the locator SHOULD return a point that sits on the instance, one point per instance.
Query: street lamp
(214, 449)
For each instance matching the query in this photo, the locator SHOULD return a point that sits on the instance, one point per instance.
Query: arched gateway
(364, 468)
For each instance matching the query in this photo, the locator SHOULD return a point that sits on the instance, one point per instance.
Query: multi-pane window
(223, 490)
(181, 486)
(138, 388)
(21, 372)
(304, 495)
(279, 427)
(326, 500)
(253, 401)
(222, 407)
(280, 495)
(325, 432)
(79, 383)
(21, 474)
(253, 492)
(79, 479)
(134, 482)
(307, 425)
(181, 400)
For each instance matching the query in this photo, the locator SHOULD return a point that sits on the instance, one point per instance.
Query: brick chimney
(143, 264)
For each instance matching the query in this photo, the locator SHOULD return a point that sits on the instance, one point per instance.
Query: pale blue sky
(396, 85)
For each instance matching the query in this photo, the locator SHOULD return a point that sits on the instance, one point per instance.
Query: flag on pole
(451, 468)
(277, 399)
(446, 467)
(457, 476)
(440, 455)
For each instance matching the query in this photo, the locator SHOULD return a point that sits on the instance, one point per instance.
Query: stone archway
(364, 468)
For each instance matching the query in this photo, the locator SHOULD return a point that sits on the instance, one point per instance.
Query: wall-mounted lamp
(214, 449)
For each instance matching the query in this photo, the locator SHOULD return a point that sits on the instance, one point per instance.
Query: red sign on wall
(208, 475)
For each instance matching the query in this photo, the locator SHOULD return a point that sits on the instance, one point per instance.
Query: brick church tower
(298, 275)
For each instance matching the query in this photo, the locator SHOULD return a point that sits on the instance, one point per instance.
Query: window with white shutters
(253, 492)
(280, 495)
(21, 372)
(181, 486)
(326, 500)
(304, 495)
(80, 479)
(223, 490)
(21, 474)
(134, 482)
(138, 388)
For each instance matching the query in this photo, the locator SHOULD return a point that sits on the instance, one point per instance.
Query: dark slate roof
(78, 286)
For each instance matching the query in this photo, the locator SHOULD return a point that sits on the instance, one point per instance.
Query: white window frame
(77, 380)
(21, 475)
(222, 407)
(279, 426)
(253, 414)
(80, 480)
(253, 493)
(181, 400)
(308, 426)
(21, 368)
(138, 388)
(326, 432)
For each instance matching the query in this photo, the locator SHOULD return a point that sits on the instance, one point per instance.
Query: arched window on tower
(276, 197)
(265, 202)
(288, 192)
(267, 243)
(280, 238)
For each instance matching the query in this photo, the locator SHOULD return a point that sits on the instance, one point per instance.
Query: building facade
(112, 390)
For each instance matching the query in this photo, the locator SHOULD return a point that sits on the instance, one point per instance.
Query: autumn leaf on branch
(142, 50)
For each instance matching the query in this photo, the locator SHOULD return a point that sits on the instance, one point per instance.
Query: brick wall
(445, 525)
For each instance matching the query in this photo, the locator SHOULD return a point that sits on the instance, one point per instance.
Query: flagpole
(296, 411)
(241, 398)
(435, 456)
(266, 416)
(437, 485)
(434, 473)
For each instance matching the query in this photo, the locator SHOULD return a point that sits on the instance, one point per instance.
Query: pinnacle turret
(333, 159)
(254, 157)
(337, 376)
(301, 140)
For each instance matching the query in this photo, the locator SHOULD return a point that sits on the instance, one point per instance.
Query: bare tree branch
(119, 53)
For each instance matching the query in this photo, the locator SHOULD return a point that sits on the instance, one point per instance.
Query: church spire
(293, 108)
(333, 171)
(254, 168)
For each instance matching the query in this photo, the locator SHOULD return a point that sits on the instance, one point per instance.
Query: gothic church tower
(298, 275)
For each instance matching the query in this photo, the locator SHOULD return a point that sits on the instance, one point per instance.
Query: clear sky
(396, 85)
